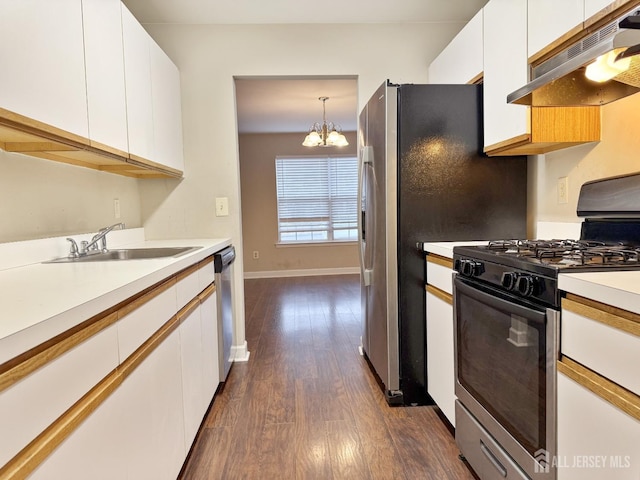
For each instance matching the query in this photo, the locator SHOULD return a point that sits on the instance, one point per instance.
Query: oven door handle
(498, 301)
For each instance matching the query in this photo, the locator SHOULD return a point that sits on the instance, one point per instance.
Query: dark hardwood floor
(306, 405)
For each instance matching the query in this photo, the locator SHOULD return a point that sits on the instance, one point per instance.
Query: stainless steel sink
(128, 254)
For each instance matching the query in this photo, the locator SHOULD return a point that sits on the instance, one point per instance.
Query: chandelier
(325, 134)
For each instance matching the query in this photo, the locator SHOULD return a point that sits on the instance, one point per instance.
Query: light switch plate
(222, 206)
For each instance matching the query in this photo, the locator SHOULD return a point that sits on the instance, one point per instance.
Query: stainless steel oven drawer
(482, 452)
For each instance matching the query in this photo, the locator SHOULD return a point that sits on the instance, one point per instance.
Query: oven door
(506, 350)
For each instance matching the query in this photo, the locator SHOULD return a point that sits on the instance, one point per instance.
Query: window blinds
(317, 198)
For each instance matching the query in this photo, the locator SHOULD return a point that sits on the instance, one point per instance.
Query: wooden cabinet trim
(146, 297)
(624, 320)
(25, 135)
(181, 275)
(444, 296)
(206, 261)
(590, 25)
(28, 459)
(440, 260)
(187, 309)
(477, 80)
(17, 368)
(609, 391)
(207, 292)
(11, 374)
(503, 147)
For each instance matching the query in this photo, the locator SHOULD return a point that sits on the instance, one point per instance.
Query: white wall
(41, 198)
(209, 56)
(617, 153)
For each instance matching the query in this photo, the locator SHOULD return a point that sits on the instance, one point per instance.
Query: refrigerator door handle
(366, 160)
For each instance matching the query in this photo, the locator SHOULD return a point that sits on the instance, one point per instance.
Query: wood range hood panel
(552, 128)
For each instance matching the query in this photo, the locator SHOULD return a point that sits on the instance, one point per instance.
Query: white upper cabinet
(461, 61)
(591, 7)
(42, 58)
(137, 68)
(505, 69)
(167, 113)
(548, 20)
(106, 99)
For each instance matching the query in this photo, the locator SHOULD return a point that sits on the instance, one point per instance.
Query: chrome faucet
(88, 247)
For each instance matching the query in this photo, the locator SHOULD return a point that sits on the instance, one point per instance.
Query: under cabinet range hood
(610, 54)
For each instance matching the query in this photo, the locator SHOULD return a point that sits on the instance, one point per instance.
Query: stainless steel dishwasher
(222, 261)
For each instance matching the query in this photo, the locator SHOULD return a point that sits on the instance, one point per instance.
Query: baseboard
(311, 272)
(240, 353)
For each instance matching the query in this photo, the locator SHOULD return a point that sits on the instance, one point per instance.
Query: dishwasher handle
(224, 258)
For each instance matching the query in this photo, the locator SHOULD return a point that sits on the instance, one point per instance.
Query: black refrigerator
(423, 178)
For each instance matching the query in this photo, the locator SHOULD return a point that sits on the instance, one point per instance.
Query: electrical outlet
(222, 207)
(563, 190)
(256, 254)
(116, 208)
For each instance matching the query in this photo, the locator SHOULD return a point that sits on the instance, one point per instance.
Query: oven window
(501, 362)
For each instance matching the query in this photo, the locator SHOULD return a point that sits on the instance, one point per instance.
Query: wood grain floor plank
(307, 405)
(346, 452)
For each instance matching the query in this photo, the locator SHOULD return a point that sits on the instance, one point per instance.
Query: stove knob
(509, 280)
(470, 268)
(526, 285)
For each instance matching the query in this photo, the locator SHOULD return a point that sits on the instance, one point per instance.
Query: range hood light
(607, 66)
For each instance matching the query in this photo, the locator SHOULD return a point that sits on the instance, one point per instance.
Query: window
(317, 199)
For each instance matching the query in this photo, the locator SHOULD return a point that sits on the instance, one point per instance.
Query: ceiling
(297, 11)
(290, 104)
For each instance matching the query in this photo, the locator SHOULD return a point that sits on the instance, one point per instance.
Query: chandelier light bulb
(325, 134)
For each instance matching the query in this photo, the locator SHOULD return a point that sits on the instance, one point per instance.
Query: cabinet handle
(491, 457)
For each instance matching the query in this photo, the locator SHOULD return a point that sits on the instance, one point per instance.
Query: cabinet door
(462, 60)
(505, 69)
(440, 356)
(42, 56)
(104, 59)
(211, 370)
(152, 413)
(94, 450)
(29, 406)
(137, 69)
(167, 112)
(549, 20)
(591, 7)
(591, 429)
(192, 373)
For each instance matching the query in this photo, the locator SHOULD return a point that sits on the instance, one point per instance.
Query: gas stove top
(558, 254)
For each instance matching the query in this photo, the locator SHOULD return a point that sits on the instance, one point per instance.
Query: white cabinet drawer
(206, 273)
(439, 273)
(609, 351)
(33, 403)
(440, 354)
(590, 428)
(188, 286)
(136, 326)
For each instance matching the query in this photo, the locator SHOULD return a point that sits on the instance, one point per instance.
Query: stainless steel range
(507, 309)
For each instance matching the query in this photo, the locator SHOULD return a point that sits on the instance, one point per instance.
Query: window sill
(317, 244)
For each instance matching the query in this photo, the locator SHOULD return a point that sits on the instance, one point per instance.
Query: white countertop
(619, 289)
(445, 249)
(40, 300)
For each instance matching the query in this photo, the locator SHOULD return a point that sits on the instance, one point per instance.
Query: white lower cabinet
(152, 414)
(192, 355)
(94, 450)
(136, 433)
(211, 369)
(146, 405)
(596, 440)
(440, 355)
